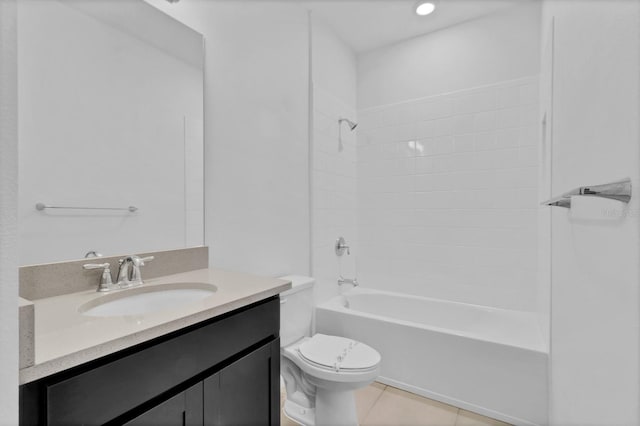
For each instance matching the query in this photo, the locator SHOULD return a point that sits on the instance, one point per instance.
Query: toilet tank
(296, 309)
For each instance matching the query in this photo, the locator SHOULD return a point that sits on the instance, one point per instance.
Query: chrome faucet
(129, 274)
(353, 281)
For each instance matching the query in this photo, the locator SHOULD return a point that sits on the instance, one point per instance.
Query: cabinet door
(184, 409)
(246, 392)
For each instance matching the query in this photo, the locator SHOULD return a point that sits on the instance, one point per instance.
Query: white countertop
(65, 338)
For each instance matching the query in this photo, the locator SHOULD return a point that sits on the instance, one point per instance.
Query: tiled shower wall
(334, 191)
(447, 195)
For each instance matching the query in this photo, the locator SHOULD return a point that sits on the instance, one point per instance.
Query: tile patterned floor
(381, 405)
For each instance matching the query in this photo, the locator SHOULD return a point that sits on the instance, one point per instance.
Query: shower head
(351, 124)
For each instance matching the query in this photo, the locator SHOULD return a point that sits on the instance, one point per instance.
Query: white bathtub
(487, 360)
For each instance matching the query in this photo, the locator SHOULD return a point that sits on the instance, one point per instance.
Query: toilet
(320, 372)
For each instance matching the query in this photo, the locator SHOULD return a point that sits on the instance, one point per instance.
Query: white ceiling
(370, 24)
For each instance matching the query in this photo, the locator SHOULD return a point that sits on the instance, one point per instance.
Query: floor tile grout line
(364, 420)
(455, 423)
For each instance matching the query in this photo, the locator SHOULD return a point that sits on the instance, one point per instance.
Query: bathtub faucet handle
(353, 281)
(341, 246)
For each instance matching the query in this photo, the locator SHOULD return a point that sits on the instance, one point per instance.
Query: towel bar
(42, 206)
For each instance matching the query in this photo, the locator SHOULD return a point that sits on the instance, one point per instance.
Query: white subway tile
(464, 123)
(486, 141)
(485, 121)
(388, 150)
(529, 135)
(460, 162)
(508, 117)
(406, 148)
(424, 165)
(528, 156)
(444, 145)
(464, 143)
(527, 198)
(441, 163)
(426, 147)
(425, 129)
(423, 183)
(454, 179)
(527, 177)
(443, 127)
(529, 115)
(508, 138)
(368, 153)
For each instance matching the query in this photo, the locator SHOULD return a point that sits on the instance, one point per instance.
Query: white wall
(447, 180)
(447, 196)
(333, 179)
(256, 133)
(595, 245)
(8, 214)
(499, 47)
(106, 120)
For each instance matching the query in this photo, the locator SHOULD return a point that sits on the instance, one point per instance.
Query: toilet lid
(339, 353)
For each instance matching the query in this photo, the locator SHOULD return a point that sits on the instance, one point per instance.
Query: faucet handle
(137, 260)
(134, 274)
(341, 246)
(89, 266)
(106, 282)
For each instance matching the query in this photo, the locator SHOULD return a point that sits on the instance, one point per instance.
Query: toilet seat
(369, 363)
(339, 353)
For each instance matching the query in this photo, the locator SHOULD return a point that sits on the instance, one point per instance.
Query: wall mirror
(111, 130)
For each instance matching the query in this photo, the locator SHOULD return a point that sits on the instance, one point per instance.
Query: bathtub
(487, 360)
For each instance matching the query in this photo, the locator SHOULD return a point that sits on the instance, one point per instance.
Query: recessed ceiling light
(424, 9)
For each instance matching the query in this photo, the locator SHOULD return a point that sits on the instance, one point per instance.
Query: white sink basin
(147, 299)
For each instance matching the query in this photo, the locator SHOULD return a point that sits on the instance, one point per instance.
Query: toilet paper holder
(618, 190)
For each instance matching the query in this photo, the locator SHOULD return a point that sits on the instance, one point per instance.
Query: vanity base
(223, 371)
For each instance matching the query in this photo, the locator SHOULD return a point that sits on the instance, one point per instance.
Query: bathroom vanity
(210, 362)
(224, 371)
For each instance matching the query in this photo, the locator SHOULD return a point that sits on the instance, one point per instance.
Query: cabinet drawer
(112, 389)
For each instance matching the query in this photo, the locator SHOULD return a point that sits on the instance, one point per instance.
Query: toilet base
(335, 408)
(299, 414)
(332, 408)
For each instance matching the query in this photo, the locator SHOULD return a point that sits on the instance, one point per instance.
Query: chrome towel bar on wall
(42, 206)
(619, 190)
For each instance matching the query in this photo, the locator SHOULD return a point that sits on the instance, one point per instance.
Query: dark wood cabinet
(185, 409)
(243, 392)
(224, 371)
